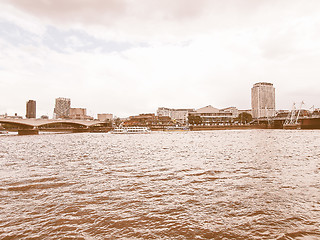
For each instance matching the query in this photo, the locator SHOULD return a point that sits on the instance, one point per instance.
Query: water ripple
(259, 184)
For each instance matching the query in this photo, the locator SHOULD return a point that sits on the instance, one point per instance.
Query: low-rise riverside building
(177, 115)
(233, 110)
(150, 120)
(15, 116)
(213, 116)
(249, 111)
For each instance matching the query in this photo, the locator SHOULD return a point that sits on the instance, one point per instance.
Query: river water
(247, 184)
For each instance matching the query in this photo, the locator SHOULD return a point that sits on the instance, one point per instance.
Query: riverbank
(227, 127)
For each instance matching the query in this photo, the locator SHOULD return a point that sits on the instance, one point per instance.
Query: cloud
(163, 19)
(128, 57)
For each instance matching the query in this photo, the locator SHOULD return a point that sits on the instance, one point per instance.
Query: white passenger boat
(130, 130)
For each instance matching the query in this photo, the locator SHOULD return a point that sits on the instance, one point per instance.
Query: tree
(194, 119)
(117, 121)
(244, 118)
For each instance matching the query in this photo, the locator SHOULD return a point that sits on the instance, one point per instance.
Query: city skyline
(126, 58)
(63, 106)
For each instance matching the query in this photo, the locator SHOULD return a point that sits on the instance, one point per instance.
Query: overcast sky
(132, 56)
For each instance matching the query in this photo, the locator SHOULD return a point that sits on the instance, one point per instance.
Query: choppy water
(255, 184)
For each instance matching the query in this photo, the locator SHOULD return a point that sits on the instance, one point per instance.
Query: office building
(62, 108)
(31, 109)
(103, 117)
(79, 113)
(263, 100)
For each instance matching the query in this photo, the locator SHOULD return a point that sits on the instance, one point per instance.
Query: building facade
(233, 110)
(150, 120)
(31, 109)
(213, 116)
(62, 108)
(78, 113)
(177, 115)
(263, 100)
(103, 117)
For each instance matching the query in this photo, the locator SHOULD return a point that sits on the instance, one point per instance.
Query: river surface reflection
(248, 184)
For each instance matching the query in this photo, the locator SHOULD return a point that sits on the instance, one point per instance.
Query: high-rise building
(31, 109)
(62, 108)
(263, 100)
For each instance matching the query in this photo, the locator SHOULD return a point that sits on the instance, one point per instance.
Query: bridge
(51, 124)
(285, 117)
(306, 122)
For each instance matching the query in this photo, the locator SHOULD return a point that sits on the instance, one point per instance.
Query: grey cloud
(59, 40)
(78, 40)
(16, 35)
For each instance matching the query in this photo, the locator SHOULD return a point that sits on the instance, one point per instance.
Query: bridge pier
(34, 131)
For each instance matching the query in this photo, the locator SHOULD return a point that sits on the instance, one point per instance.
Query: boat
(130, 130)
(177, 128)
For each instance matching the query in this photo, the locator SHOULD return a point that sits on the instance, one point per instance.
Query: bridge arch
(19, 125)
(62, 125)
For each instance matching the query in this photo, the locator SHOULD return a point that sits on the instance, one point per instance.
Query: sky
(128, 57)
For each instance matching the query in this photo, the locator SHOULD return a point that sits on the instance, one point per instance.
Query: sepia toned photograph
(159, 119)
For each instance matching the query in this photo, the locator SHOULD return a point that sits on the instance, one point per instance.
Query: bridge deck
(40, 122)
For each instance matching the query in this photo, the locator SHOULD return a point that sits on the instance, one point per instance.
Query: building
(78, 113)
(263, 100)
(149, 120)
(104, 117)
(16, 116)
(31, 109)
(249, 111)
(177, 115)
(213, 116)
(62, 108)
(233, 110)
